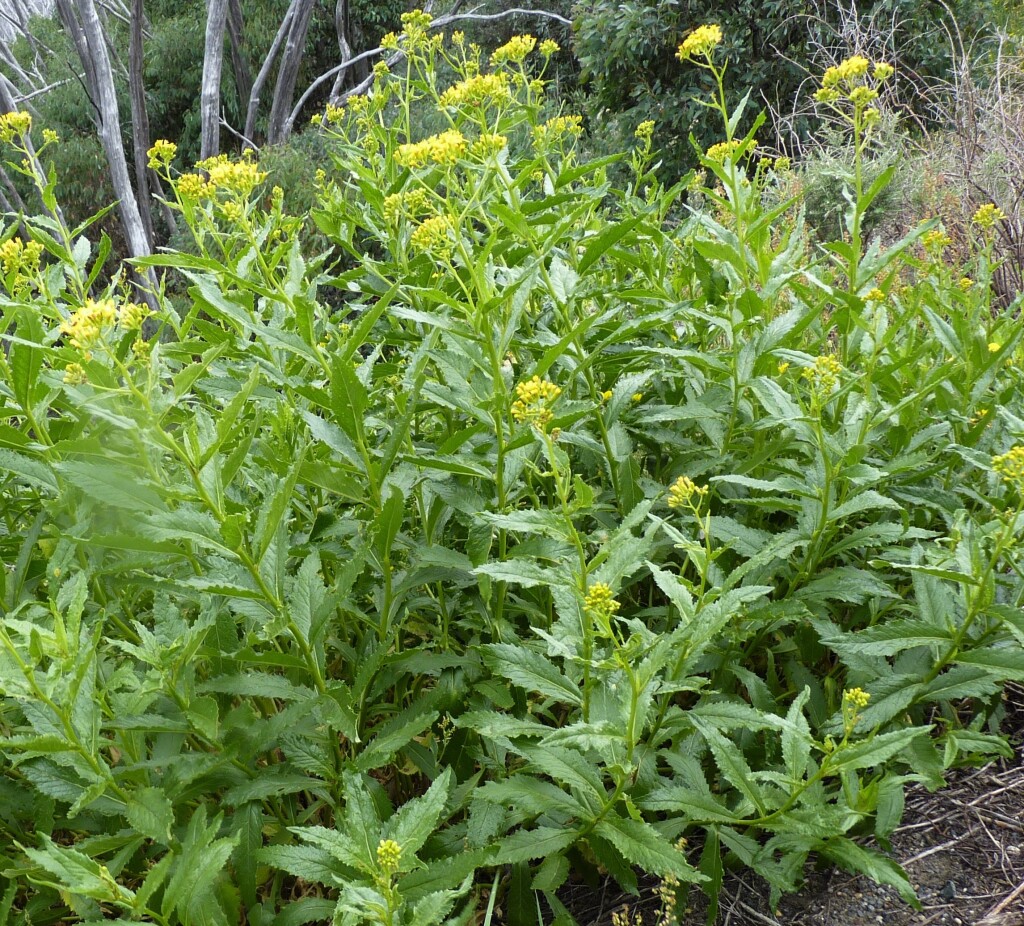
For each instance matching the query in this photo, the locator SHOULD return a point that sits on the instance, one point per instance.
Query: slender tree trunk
(140, 120)
(261, 78)
(342, 26)
(213, 59)
(83, 24)
(288, 72)
(239, 61)
(141, 139)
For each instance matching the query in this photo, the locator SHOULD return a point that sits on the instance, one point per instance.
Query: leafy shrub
(572, 539)
(626, 51)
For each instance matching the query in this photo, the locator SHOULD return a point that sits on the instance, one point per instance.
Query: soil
(962, 848)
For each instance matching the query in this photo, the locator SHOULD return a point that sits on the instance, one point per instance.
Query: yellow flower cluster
(87, 324)
(724, 150)
(20, 257)
(533, 400)
(389, 42)
(936, 241)
(685, 493)
(409, 204)
(856, 697)
(478, 90)
(700, 43)
(514, 51)
(849, 79)
(875, 295)
(49, 135)
(161, 154)
(444, 149)
(600, 600)
(131, 315)
(389, 855)
(986, 216)
(414, 27)
(488, 145)
(74, 374)
(432, 235)
(549, 47)
(1010, 465)
(555, 129)
(823, 374)
(14, 125)
(332, 115)
(238, 177)
(645, 130)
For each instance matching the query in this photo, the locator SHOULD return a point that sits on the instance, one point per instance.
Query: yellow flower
(87, 324)
(986, 216)
(726, 150)
(638, 396)
(161, 154)
(994, 347)
(600, 600)
(856, 697)
(883, 70)
(389, 42)
(862, 95)
(432, 235)
(49, 135)
(414, 27)
(936, 241)
(1010, 465)
(966, 283)
(381, 69)
(606, 395)
(20, 257)
(782, 367)
(74, 374)
(557, 128)
(389, 855)
(239, 178)
(534, 398)
(514, 50)
(488, 145)
(845, 72)
(823, 374)
(683, 491)
(444, 149)
(14, 125)
(193, 186)
(411, 204)
(645, 130)
(875, 295)
(481, 89)
(700, 43)
(549, 47)
(131, 315)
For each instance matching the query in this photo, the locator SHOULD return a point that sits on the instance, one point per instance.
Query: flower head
(700, 43)
(514, 50)
(534, 399)
(645, 130)
(1010, 465)
(685, 493)
(14, 125)
(478, 90)
(823, 374)
(389, 855)
(549, 47)
(88, 324)
(161, 154)
(985, 217)
(444, 149)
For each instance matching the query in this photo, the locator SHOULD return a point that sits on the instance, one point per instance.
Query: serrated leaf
(641, 844)
(530, 670)
(151, 813)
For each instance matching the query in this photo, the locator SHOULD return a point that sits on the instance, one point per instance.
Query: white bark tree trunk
(213, 61)
(288, 72)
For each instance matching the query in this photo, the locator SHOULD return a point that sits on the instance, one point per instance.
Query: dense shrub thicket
(535, 534)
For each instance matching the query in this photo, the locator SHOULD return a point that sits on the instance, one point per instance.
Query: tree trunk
(239, 61)
(288, 72)
(141, 138)
(83, 22)
(341, 26)
(261, 78)
(213, 59)
(140, 120)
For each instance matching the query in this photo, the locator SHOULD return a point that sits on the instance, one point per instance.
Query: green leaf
(151, 813)
(417, 819)
(530, 670)
(860, 860)
(641, 844)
